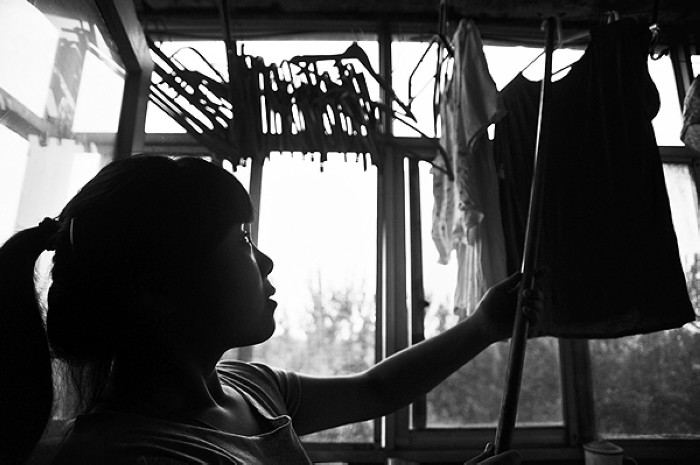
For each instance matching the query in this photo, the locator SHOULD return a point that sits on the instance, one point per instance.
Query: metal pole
(509, 404)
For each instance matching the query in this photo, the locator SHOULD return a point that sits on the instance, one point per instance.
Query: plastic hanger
(354, 51)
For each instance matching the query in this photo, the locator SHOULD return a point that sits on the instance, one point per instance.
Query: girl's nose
(265, 263)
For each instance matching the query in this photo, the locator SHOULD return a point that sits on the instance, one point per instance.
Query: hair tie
(49, 228)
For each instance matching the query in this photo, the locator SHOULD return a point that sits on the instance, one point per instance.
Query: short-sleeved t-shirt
(109, 437)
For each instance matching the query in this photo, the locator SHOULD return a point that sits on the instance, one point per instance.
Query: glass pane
(669, 119)
(13, 164)
(647, 384)
(506, 62)
(320, 229)
(158, 121)
(28, 51)
(404, 58)
(272, 51)
(65, 80)
(212, 53)
(472, 396)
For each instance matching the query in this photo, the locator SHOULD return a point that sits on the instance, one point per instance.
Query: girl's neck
(158, 386)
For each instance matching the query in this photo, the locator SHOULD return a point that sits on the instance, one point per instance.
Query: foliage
(340, 338)
(647, 384)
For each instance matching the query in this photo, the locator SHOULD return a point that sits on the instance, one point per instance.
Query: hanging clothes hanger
(442, 43)
(656, 34)
(440, 75)
(609, 17)
(560, 44)
(354, 51)
(558, 41)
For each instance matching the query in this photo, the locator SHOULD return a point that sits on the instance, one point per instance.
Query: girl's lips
(269, 290)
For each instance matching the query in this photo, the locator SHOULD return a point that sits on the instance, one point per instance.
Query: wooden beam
(126, 31)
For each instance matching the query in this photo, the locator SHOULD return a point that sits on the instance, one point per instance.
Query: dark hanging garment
(607, 234)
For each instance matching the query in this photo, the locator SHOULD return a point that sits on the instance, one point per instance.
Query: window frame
(397, 191)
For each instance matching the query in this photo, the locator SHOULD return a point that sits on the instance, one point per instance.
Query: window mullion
(418, 408)
(577, 390)
(682, 68)
(256, 173)
(246, 353)
(392, 244)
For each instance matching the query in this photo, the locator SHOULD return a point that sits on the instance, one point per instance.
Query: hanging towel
(690, 134)
(607, 234)
(466, 213)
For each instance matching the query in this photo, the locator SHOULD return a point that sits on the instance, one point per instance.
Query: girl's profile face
(234, 292)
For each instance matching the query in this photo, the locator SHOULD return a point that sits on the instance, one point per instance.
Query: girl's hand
(497, 308)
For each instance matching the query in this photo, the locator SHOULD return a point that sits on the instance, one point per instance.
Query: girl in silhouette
(154, 277)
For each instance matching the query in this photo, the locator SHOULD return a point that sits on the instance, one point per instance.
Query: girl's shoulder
(273, 390)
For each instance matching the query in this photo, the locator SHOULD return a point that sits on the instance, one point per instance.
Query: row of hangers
(445, 51)
(307, 65)
(356, 53)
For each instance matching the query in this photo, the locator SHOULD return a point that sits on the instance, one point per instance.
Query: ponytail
(26, 386)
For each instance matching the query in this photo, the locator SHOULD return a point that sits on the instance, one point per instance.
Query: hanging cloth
(607, 234)
(690, 134)
(466, 212)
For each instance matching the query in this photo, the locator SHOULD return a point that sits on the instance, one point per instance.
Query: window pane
(61, 64)
(647, 384)
(506, 62)
(13, 164)
(472, 396)
(668, 121)
(213, 55)
(404, 59)
(272, 51)
(320, 229)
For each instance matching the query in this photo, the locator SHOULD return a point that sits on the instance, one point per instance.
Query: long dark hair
(142, 216)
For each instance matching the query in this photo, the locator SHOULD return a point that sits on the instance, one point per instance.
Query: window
(471, 397)
(647, 384)
(65, 85)
(668, 361)
(320, 229)
(272, 51)
(13, 165)
(318, 223)
(331, 319)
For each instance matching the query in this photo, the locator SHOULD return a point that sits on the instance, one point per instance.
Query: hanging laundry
(607, 234)
(466, 212)
(690, 134)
